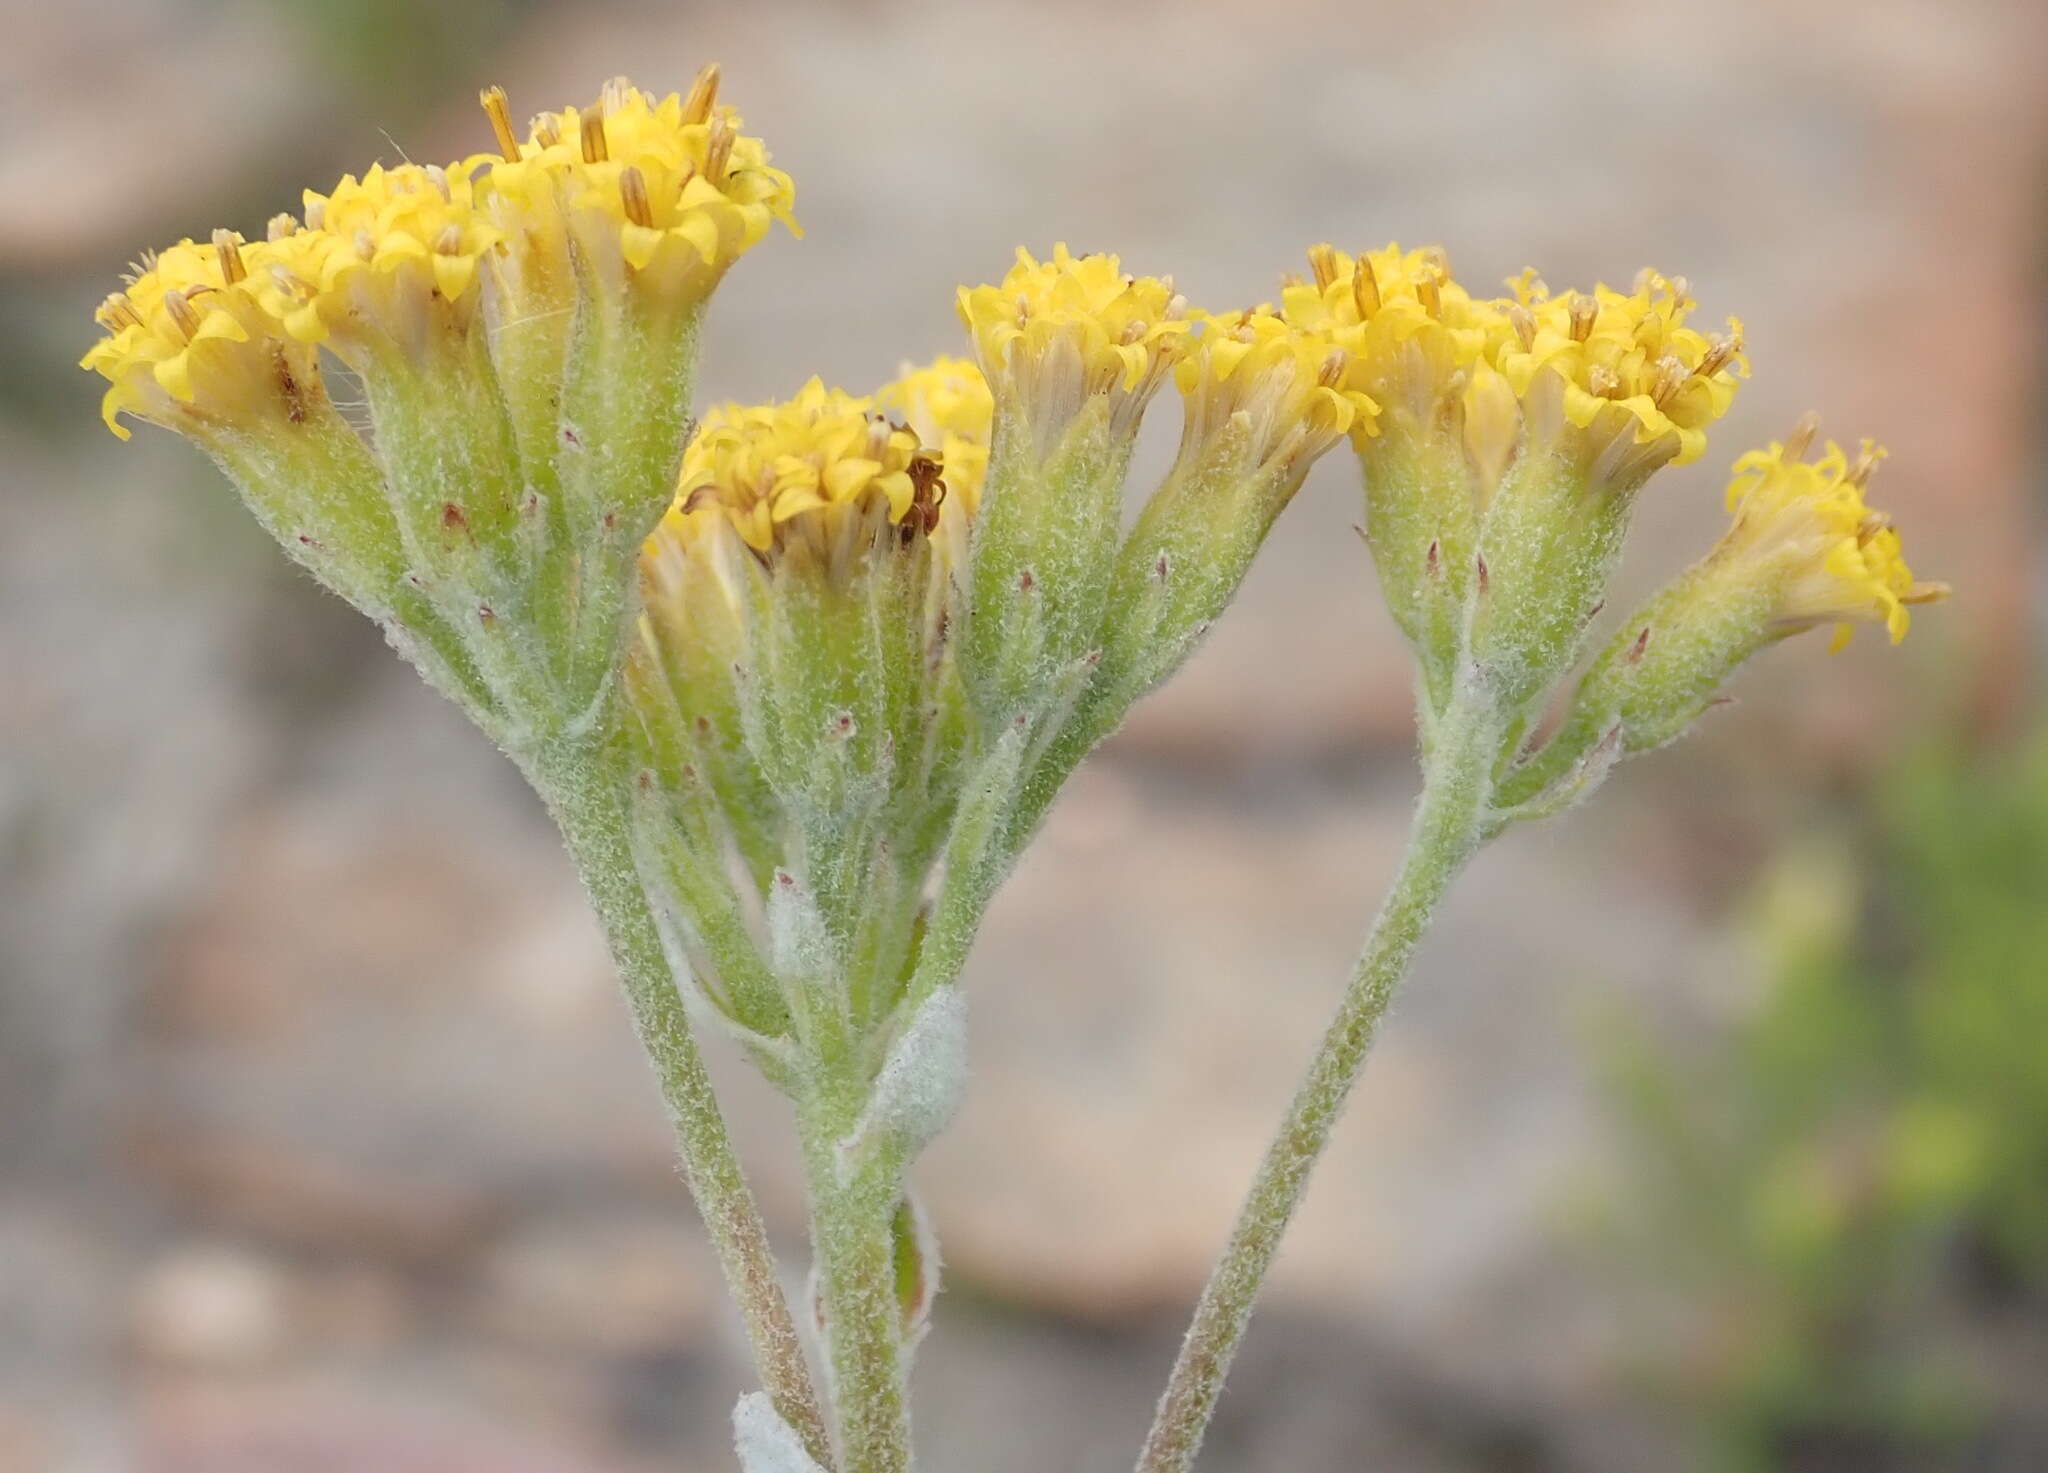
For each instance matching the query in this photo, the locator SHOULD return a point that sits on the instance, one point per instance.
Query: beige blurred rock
(598, 1283)
(212, 1305)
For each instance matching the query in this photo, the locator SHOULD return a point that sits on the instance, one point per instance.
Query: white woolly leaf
(765, 1442)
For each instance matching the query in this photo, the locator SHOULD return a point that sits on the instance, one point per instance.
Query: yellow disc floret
(803, 472)
(947, 404)
(663, 192)
(1052, 334)
(1628, 351)
(1805, 524)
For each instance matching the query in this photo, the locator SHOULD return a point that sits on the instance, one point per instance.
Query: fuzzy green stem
(584, 793)
(1447, 829)
(853, 1207)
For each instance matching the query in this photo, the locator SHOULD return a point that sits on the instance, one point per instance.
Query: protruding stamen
(1873, 523)
(547, 130)
(591, 122)
(1331, 373)
(1926, 593)
(1322, 264)
(1671, 377)
(1801, 438)
(117, 312)
(703, 95)
(1429, 291)
(633, 197)
(1365, 287)
(718, 151)
(227, 248)
(1720, 353)
(316, 213)
(1863, 465)
(280, 227)
(1603, 381)
(438, 177)
(1584, 310)
(1524, 322)
(449, 241)
(612, 97)
(178, 307)
(1134, 331)
(500, 114)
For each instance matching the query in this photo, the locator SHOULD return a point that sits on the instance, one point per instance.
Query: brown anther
(612, 96)
(718, 151)
(1635, 651)
(1861, 468)
(1584, 310)
(1873, 523)
(1291, 279)
(1322, 263)
(1926, 593)
(280, 227)
(495, 108)
(703, 95)
(547, 130)
(227, 247)
(1365, 287)
(591, 124)
(1524, 322)
(1671, 377)
(1440, 258)
(633, 197)
(178, 307)
(1604, 381)
(1429, 290)
(1331, 373)
(1801, 439)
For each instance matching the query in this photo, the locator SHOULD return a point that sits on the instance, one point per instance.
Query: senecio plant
(800, 686)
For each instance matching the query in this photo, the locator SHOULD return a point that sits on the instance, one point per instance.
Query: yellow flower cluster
(1805, 524)
(1284, 388)
(803, 470)
(947, 404)
(660, 196)
(1615, 361)
(1053, 333)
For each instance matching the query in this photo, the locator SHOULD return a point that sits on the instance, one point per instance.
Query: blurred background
(1713, 1129)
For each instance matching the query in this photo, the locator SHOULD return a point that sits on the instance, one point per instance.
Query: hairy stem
(582, 790)
(1447, 829)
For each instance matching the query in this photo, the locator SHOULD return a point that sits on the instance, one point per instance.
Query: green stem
(584, 793)
(1447, 829)
(853, 1208)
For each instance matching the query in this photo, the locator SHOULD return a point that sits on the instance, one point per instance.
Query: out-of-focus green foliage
(1846, 1200)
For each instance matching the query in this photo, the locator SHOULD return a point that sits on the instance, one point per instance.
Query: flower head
(1623, 369)
(1286, 390)
(189, 346)
(659, 194)
(1412, 335)
(1803, 527)
(1054, 334)
(814, 471)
